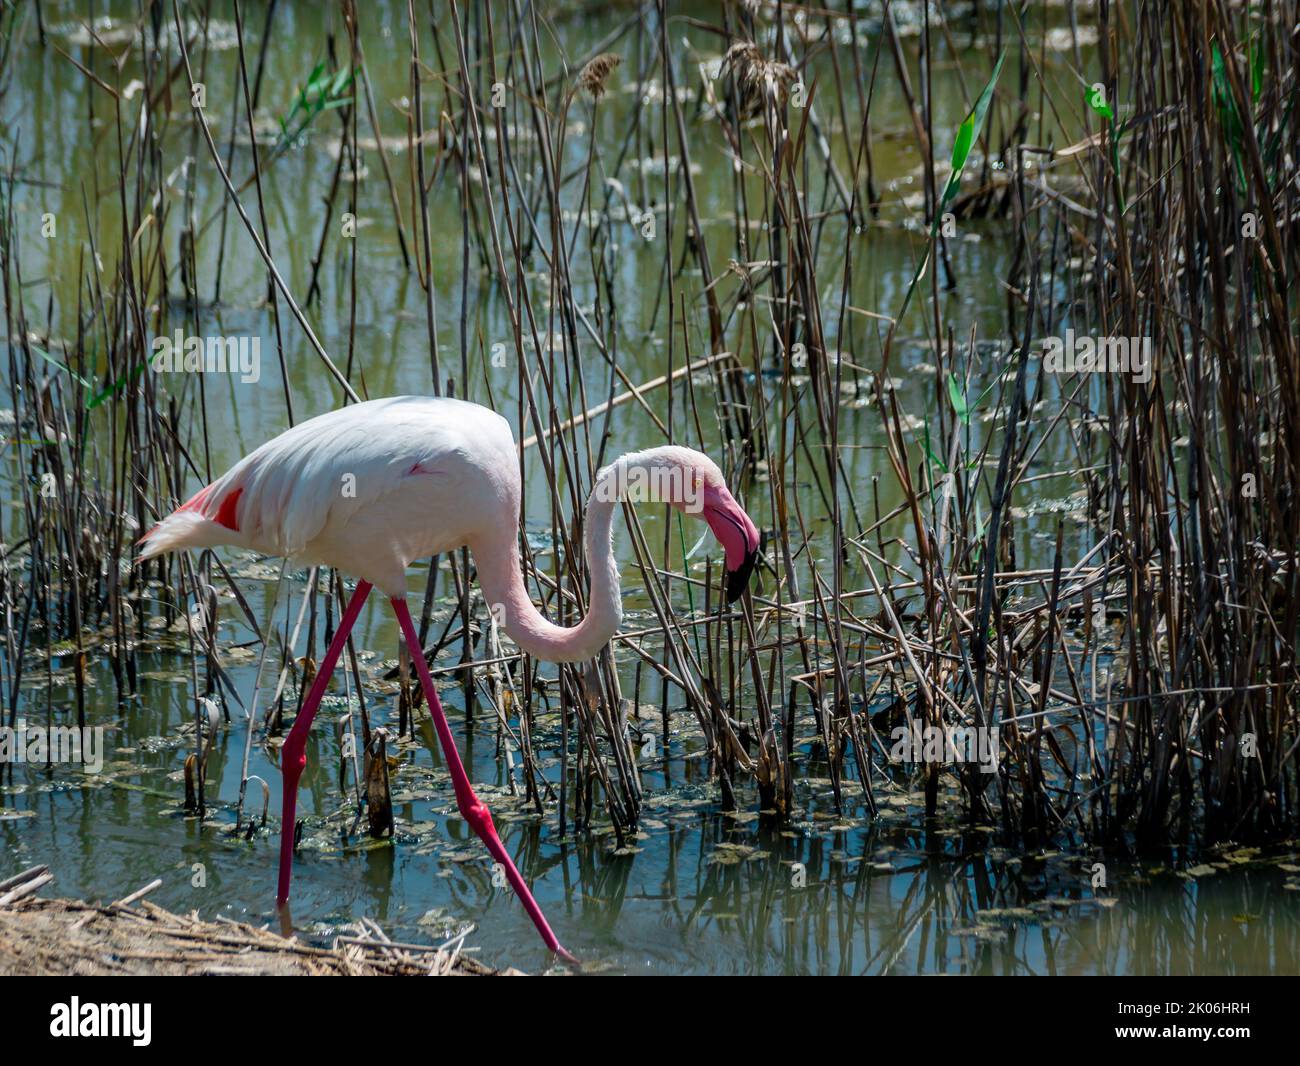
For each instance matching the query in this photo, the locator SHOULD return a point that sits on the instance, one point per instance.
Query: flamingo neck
(501, 579)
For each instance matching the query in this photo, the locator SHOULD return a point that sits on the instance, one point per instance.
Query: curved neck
(502, 582)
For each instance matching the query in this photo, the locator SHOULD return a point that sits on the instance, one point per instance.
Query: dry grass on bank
(61, 937)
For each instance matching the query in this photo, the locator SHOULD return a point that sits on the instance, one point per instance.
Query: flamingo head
(692, 483)
(736, 533)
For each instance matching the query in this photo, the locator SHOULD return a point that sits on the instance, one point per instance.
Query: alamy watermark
(915, 743)
(181, 354)
(1082, 354)
(77, 1019)
(41, 745)
(652, 484)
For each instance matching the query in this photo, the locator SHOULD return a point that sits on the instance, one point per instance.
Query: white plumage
(369, 489)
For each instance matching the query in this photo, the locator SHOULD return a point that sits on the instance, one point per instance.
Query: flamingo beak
(738, 536)
(738, 579)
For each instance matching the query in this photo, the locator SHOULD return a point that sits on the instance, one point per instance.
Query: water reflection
(697, 890)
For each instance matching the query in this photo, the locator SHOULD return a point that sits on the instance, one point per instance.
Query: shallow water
(699, 889)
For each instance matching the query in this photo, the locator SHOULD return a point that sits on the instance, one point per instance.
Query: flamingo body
(369, 488)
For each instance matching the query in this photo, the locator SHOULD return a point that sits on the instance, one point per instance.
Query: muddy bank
(50, 937)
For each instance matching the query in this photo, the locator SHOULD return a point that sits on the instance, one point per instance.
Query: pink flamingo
(376, 485)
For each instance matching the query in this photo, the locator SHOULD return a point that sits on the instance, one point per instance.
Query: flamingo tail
(189, 527)
(183, 529)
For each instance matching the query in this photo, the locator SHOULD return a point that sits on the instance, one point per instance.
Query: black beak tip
(738, 579)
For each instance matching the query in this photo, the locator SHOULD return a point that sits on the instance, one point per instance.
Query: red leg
(472, 809)
(293, 756)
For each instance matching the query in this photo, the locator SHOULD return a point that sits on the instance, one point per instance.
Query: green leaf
(968, 131)
(115, 387)
(66, 369)
(1226, 106)
(341, 81)
(966, 134)
(1218, 72)
(960, 150)
(958, 399)
(925, 443)
(1100, 106)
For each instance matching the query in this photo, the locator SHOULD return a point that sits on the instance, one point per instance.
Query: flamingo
(376, 485)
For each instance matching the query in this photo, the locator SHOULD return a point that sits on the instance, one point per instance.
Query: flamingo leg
(293, 755)
(472, 809)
